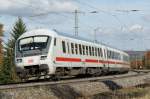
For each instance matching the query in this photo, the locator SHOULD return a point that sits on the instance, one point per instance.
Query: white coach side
(46, 52)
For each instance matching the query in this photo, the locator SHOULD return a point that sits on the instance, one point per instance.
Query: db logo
(30, 61)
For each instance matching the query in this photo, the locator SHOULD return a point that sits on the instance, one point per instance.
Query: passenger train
(48, 53)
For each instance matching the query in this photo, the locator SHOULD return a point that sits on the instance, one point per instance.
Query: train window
(90, 51)
(80, 49)
(119, 56)
(72, 48)
(63, 47)
(95, 51)
(86, 50)
(98, 52)
(115, 55)
(112, 55)
(107, 53)
(54, 41)
(76, 48)
(68, 47)
(101, 52)
(125, 58)
(83, 49)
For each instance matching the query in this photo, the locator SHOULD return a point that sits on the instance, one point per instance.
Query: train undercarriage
(38, 72)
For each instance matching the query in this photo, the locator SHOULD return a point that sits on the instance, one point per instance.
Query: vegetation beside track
(127, 93)
(7, 70)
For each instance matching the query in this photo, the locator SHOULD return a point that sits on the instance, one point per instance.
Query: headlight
(43, 57)
(19, 60)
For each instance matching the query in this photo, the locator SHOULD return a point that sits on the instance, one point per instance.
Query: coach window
(113, 54)
(109, 54)
(68, 47)
(105, 55)
(119, 56)
(80, 49)
(54, 41)
(93, 51)
(76, 48)
(83, 47)
(86, 50)
(63, 47)
(101, 52)
(98, 52)
(90, 51)
(72, 48)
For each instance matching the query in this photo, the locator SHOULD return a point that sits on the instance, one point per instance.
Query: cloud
(136, 28)
(31, 7)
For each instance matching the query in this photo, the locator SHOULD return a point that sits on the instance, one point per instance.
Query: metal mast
(76, 22)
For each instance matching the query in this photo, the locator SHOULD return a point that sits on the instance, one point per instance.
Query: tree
(8, 72)
(1, 46)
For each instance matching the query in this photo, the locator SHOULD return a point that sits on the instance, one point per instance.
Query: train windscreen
(33, 43)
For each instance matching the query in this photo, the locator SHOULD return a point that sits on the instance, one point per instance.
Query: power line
(56, 13)
(106, 12)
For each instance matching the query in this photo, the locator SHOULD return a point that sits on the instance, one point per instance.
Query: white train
(48, 53)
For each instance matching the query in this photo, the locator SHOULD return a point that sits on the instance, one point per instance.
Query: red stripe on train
(87, 60)
(68, 59)
(91, 60)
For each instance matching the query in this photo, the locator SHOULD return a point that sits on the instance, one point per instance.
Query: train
(49, 53)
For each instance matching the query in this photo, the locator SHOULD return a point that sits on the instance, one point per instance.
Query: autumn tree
(9, 73)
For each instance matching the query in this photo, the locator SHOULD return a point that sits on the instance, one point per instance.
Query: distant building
(136, 59)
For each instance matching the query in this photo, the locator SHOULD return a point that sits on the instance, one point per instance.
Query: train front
(31, 56)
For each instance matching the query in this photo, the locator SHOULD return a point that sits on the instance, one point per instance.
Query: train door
(106, 63)
(68, 47)
(60, 52)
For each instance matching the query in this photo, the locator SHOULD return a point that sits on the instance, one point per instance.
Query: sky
(123, 24)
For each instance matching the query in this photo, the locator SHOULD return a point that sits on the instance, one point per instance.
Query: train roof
(39, 32)
(84, 39)
(57, 33)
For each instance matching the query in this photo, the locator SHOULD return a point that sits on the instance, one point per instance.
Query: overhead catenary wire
(103, 11)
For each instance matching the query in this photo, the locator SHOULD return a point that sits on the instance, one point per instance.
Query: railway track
(102, 78)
